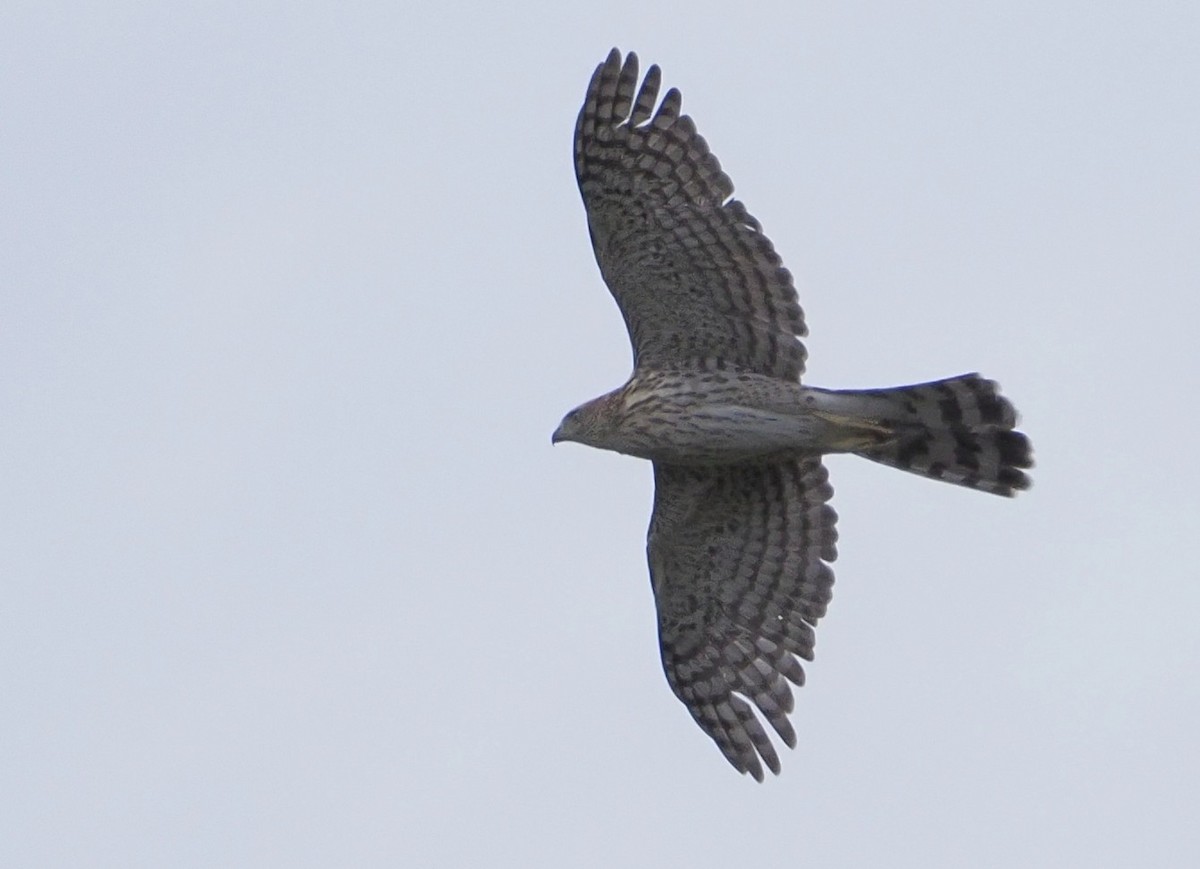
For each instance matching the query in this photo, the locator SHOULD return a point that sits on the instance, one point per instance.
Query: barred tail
(959, 430)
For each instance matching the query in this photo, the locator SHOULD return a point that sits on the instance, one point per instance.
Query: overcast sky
(293, 295)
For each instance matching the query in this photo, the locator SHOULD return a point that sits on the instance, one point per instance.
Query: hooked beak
(557, 436)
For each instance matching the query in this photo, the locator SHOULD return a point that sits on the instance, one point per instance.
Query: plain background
(293, 295)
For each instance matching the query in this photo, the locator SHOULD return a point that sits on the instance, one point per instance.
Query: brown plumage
(742, 534)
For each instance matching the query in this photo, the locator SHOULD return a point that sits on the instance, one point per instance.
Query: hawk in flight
(742, 534)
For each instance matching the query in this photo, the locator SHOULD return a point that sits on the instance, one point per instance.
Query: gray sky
(291, 299)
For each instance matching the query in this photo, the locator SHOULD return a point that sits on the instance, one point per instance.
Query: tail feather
(959, 430)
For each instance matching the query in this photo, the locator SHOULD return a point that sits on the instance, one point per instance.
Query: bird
(742, 533)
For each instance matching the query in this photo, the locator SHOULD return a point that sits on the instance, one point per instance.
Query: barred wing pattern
(698, 283)
(739, 560)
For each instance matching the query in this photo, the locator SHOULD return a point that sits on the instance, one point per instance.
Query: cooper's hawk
(742, 533)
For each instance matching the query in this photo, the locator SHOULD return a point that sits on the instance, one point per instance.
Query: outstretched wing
(698, 283)
(739, 563)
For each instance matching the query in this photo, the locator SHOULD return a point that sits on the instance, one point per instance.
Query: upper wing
(698, 283)
(738, 560)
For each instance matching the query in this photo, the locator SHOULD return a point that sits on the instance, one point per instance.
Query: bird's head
(589, 424)
(573, 427)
